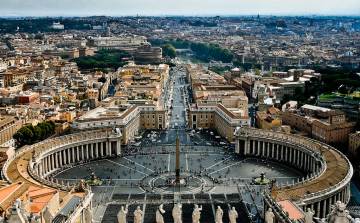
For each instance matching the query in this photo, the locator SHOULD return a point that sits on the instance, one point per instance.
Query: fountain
(261, 179)
(93, 180)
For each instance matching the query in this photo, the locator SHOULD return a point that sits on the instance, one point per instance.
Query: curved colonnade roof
(337, 168)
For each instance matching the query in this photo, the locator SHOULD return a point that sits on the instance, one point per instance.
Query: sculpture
(339, 214)
(233, 215)
(138, 214)
(88, 215)
(309, 216)
(159, 214)
(176, 213)
(122, 214)
(219, 215)
(196, 214)
(269, 216)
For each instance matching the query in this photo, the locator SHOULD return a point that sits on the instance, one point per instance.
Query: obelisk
(177, 170)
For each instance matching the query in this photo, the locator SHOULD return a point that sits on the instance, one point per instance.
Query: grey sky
(179, 7)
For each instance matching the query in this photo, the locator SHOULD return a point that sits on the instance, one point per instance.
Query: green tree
(257, 72)
(257, 66)
(168, 50)
(65, 57)
(343, 90)
(38, 37)
(102, 79)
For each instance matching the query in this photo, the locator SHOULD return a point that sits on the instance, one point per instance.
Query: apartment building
(332, 133)
(354, 143)
(11, 77)
(217, 116)
(298, 120)
(128, 119)
(9, 125)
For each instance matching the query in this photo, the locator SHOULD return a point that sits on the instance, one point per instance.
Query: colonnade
(323, 207)
(285, 152)
(59, 157)
(308, 155)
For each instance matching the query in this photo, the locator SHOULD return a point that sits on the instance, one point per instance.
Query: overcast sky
(178, 7)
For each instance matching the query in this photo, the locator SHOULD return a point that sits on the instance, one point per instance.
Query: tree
(257, 65)
(343, 90)
(102, 79)
(285, 99)
(29, 134)
(168, 50)
(38, 37)
(257, 72)
(353, 76)
(247, 66)
(268, 74)
(65, 57)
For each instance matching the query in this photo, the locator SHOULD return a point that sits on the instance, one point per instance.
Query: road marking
(138, 164)
(228, 166)
(126, 166)
(169, 163)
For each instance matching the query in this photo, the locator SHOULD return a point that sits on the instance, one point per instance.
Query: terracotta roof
(10, 193)
(294, 213)
(329, 127)
(273, 110)
(330, 113)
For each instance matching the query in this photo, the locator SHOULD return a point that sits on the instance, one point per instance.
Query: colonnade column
(73, 154)
(245, 147)
(40, 169)
(282, 152)
(77, 153)
(267, 149)
(290, 154)
(60, 159)
(87, 150)
(272, 149)
(101, 149)
(56, 160)
(329, 205)
(298, 157)
(294, 156)
(258, 148)
(68, 158)
(109, 148)
(92, 150)
(49, 164)
(318, 209)
(82, 152)
(97, 150)
(45, 166)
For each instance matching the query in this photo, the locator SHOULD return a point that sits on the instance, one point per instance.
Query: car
(208, 143)
(196, 143)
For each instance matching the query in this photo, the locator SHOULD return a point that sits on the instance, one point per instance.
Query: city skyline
(170, 8)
